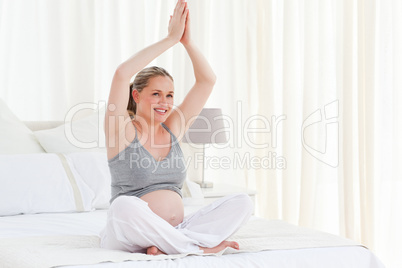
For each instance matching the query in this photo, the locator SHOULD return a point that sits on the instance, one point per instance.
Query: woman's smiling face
(155, 100)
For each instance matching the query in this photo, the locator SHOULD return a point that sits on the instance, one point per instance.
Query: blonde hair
(141, 80)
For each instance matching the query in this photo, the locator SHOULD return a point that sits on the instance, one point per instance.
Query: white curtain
(333, 69)
(317, 83)
(47, 59)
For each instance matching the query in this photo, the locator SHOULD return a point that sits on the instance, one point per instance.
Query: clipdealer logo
(327, 119)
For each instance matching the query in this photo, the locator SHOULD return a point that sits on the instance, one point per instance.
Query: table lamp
(208, 128)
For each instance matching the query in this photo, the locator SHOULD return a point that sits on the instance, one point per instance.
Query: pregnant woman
(146, 163)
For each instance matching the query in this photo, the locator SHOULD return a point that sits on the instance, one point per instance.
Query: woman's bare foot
(154, 251)
(221, 247)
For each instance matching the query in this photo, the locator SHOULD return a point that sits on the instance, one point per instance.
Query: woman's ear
(136, 95)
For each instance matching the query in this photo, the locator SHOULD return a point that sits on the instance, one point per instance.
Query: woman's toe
(152, 250)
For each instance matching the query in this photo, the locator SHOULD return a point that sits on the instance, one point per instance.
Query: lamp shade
(208, 127)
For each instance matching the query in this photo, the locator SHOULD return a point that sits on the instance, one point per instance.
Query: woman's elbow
(211, 80)
(207, 79)
(120, 71)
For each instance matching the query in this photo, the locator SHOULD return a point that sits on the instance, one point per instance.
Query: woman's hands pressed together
(185, 39)
(178, 21)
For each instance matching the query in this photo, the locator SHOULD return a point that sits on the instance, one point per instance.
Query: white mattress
(91, 223)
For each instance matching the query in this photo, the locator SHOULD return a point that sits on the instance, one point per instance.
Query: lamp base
(205, 184)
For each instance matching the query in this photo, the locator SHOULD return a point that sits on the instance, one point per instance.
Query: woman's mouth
(160, 111)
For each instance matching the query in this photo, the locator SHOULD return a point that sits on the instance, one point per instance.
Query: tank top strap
(136, 134)
(171, 133)
(163, 125)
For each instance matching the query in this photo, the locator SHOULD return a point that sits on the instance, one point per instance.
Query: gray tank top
(135, 172)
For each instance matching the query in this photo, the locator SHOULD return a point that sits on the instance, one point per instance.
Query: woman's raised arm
(119, 92)
(196, 98)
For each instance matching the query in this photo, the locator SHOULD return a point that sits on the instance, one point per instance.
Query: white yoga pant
(132, 226)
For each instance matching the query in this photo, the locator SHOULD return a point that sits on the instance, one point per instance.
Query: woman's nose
(163, 100)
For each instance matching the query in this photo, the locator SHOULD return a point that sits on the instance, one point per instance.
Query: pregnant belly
(166, 204)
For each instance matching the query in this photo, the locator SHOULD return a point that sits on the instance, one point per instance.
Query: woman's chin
(161, 118)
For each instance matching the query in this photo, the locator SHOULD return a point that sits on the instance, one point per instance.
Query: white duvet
(66, 239)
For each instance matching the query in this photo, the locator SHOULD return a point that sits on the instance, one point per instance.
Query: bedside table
(220, 190)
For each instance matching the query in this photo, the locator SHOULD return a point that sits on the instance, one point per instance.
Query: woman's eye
(157, 94)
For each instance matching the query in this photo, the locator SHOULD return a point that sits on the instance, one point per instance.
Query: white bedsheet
(91, 224)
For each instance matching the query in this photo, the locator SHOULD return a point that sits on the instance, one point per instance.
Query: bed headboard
(41, 125)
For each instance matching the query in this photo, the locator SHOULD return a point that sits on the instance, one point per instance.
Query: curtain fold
(366, 82)
(292, 94)
(310, 87)
(265, 78)
(346, 88)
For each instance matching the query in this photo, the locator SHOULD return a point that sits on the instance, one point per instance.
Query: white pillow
(15, 137)
(94, 170)
(35, 183)
(84, 135)
(192, 194)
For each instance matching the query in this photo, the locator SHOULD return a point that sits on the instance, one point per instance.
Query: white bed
(38, 237)
(90, 223)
